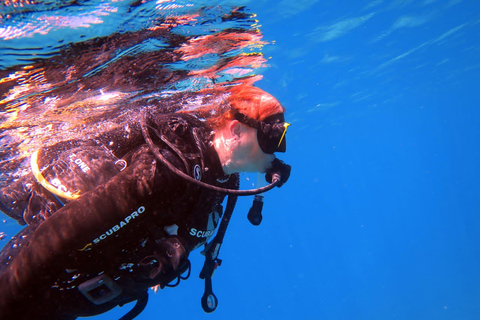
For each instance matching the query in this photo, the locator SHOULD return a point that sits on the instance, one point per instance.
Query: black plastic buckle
(100, 289)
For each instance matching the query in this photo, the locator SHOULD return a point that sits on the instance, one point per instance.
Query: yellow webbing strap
(44, 183)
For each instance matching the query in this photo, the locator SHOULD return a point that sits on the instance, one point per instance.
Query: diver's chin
(267, 166)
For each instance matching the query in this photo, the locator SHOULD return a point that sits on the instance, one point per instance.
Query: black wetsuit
(132, 227)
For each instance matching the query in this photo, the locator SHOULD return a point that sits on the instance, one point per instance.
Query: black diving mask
(270, 132)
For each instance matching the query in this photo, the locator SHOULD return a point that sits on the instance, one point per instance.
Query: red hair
(254, 102)
(249, 100)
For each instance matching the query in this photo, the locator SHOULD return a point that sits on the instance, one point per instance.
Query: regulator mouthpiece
(255, 212)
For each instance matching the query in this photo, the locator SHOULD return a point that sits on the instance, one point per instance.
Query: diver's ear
(235, 129)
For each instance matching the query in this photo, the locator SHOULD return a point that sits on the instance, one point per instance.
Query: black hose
(137, 309)
(276, 180)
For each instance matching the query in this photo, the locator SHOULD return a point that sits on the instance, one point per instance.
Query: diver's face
(248, 154)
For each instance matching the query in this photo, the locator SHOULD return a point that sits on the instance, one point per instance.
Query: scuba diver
(111, 217)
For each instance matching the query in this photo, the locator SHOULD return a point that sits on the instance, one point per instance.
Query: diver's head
(249, 133)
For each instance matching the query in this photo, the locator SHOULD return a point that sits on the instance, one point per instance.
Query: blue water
(380, 218)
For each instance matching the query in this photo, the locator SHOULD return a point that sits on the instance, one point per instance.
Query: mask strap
(248, 121)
